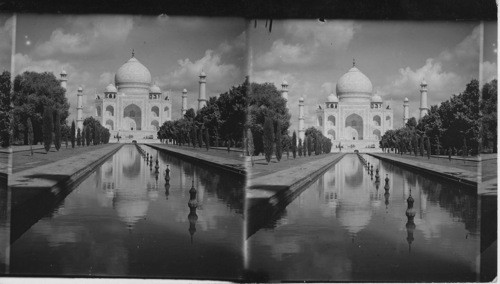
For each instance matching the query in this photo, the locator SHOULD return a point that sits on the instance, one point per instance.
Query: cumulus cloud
(489, 71)
(97, 35)
(106, 78)
(442, 83)
(24, 63)
(313, 36)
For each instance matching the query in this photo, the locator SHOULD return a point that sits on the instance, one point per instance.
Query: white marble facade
(354, 117)
(135, 108)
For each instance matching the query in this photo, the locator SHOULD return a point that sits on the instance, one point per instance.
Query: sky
(311, 56)
(91, 48)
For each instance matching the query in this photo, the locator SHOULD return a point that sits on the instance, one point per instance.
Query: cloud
(99, 35)
(489, 71)
(442, 83)
(24, 63)
(314, 36)
(106, 78)
(6, 43)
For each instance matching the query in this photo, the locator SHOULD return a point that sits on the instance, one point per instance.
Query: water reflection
(345, 220)
(115, 224)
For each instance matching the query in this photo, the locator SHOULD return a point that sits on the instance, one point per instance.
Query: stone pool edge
(213, 161)
(288, 185)
(434, 170)
(84, 168)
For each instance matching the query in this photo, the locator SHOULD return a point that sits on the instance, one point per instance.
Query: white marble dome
(376, 99)
(354, 86)
(155, 89)
(133, 74)
(111, 89)
(332, 98)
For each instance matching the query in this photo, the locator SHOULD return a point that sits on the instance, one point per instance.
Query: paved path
(289, 179)
(63, 172)
(461, 175)
(234, 165)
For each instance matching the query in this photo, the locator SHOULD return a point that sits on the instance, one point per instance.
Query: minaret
(184, 101)
(202, 100)
(423, 99)
(301, 119)
(406, 111)
(63, 79)
(284, 91)
(79, 109)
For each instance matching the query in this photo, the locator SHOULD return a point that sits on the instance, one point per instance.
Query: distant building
(354, 117)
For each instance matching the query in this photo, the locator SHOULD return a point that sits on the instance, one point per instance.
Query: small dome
(184, 91)
(284, 83)
(155, 89)
(111, 89)
(301, 99)
(406, 100)
(332, 98)
(133, 73)
(423, 83)
(63, 72)
(80, 89)
(354, 84)
(376, 99)
(203, 74)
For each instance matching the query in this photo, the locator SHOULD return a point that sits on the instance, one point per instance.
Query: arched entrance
(376, 134)
(109, 124)
(132, 117)
(354, 127)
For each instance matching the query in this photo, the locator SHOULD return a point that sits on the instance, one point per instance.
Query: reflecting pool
(347, 226)
(126, 220)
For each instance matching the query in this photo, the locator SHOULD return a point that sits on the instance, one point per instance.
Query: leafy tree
(30, 135)
(57, 130)
(33, 92)
(268, 138)
(194, 137)
(72, 134)
(200, 137)
(78, 137)
(278, 141)
(264, 100)
(250, 147)
(411, 123)
(48, 127)
(310, 145)
(489, 116)
(294, 144)
(286, 145)
(5, 109)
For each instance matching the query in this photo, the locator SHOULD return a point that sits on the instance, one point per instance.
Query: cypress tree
(309, 145)
(465, 152)
(300, 147)
(48, 126)
(88, 135)
(279, 141)
(268, 138)
(317, 144)
(78, 136)
(200, 137)
(57, 130)
(415, 144)
(30, 135)
(207, 138)
(294, 145)
(193, 136)
(422, 145)
(250, 146)
(428, 144)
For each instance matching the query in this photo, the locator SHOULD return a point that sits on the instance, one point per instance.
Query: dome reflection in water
(115, 223)
(344, 228)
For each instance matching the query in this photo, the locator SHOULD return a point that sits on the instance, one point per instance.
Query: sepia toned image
(127, 154)
(368, 143)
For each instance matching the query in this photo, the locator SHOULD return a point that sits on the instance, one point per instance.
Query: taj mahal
(134, 107)
(355, 118)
